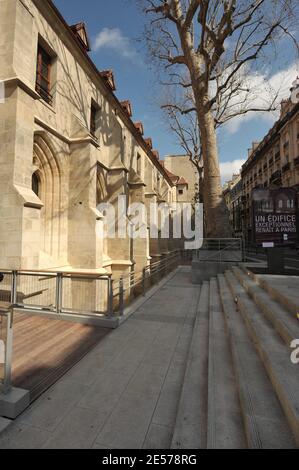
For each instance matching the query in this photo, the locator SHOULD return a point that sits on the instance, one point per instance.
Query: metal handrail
(49, 289)
(139, 278)
(54, 273)
(54, 292)
(231, 244)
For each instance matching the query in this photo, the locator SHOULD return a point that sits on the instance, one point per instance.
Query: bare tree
(208, 47)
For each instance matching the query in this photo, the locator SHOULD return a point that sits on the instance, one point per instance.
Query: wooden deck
(45, 349)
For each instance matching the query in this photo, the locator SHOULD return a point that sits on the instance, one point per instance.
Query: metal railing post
(143, 282)
(14, 288)
(131, 283)
(110, 304)
(8, 352)
(121, 296)
(59, 279)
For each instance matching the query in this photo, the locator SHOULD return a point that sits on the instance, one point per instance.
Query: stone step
(225, 425)
(264, 421)
(286, 301)
(285, 324)
(190, 430)
(274, 355)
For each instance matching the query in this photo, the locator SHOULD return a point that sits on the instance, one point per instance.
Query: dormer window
(43, 74)
(81, 35)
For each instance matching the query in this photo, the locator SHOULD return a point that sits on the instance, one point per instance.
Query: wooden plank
(4, 306)
(45, 349)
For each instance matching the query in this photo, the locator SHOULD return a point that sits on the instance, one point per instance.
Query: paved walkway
(125, 392)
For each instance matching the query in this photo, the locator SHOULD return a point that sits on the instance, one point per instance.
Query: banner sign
(274, 216)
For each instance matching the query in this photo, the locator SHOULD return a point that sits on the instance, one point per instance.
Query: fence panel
(5, 286)
(221, 250)
(84, 295)
(36, 290)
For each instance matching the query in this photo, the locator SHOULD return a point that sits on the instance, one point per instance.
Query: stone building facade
(233, 195)
(273, 162)
(188, 182)
(67, 144)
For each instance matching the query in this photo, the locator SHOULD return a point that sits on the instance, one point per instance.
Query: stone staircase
(240, 389)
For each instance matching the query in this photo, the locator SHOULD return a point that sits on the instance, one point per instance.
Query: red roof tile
(182, 181)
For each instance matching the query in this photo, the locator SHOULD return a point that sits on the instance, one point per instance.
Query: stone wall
(57, 228)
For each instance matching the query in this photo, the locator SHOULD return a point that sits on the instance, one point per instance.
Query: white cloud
(113, 38)
(227, 169)
(262, 90)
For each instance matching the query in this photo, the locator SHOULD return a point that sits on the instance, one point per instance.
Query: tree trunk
(216, 213)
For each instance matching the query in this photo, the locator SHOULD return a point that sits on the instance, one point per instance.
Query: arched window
(35, 184)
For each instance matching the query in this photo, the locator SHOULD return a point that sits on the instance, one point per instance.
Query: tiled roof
(182, 181)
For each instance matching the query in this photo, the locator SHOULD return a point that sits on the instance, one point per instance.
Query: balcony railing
(44, 93)
(276, 175)
(286, 167)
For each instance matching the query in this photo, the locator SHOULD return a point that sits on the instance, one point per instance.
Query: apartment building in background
(273, 162)
(233, 195)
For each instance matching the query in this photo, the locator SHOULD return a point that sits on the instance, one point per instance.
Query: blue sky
(113, 26)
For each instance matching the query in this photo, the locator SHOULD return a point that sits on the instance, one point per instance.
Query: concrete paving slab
(78, 430)
(158, 437)
(109, 399)
(50, 409)
(166, 409)
(22, 436)
(128, 424)
(104, 394)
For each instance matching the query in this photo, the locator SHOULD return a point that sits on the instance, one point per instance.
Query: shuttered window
(43, 75)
